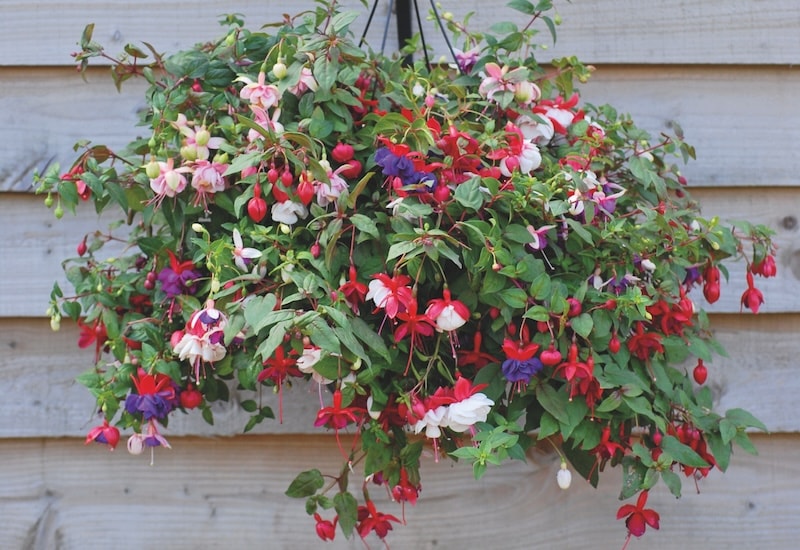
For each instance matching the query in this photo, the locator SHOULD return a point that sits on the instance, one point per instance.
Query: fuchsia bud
(351, 170)
(82, 247)
(700, 372)
(343, 152)
(191, 398)
(766, 267)
(551, 356)
(305, 190)
(257, 209)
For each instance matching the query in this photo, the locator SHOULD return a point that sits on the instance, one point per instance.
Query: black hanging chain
(404, 28)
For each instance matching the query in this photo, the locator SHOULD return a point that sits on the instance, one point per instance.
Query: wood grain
(45, 111)
(212, 493)
(598, 31)
(27, 278)
(38, 368)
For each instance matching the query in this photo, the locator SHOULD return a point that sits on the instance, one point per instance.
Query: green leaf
(554, 402)
(372, 339)
(306, 484)
(744, 419)
(341, 21)
(257, 310)
(365, 225)
(682, 453)
(523, 6)
(346, 507)
(727, 430)
(582, 324)
(672, 481)
(469, 195)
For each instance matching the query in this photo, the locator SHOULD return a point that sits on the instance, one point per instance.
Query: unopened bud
(279, 70)
(564, 476)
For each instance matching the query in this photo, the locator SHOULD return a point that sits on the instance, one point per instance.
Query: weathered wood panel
(599, 31)
(38, 367)
(229, 493)
(736, 145)
(27, 277)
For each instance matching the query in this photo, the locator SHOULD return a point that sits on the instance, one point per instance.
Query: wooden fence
(724, 69)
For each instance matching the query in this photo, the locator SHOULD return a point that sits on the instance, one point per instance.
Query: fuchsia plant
(466, 255)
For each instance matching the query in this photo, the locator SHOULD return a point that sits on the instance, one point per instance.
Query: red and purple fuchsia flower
(520, 364)
(448, 254)
(156, 395)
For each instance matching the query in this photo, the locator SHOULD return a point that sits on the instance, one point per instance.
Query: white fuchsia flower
(448, 314)
(259, 93)
(462, 415)
(564, 476)
(170, 180)
(242, 255)
(288, 212)
(202, 339)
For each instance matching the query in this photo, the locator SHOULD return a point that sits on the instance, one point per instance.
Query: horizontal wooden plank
(28, 277)
(229, 493)
(602, 31)
(38, 368)
(45, 111)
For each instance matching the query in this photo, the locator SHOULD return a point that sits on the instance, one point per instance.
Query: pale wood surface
(724, 69)
(26, 278)
(228, 493)
(599, 31)
(38, 367)
(730, 115)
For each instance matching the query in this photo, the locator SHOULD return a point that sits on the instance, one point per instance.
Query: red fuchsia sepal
(105, 434)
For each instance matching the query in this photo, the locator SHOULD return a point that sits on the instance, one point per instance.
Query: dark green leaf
(682, 453)
(346, 507)
(306, 484)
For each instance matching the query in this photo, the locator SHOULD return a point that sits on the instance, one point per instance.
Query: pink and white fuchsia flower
(458, 408)
(202, 339)
(448, 314)
(258, 93)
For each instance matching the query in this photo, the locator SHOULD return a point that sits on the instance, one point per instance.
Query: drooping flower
(752, 297)
(475, 356)
(207, 179)
(336, 416)
(326, 529)
(519, 154)
(105, 434)
(464, 414)
(520, 364)
(354, 292)
(447, 313)
(370, 520)
(197, 141)
(288, 212)
(644, 344)
(766, 267)
(501, 79)
(179, 277)
(392, 294)
(638, 517)
(259, 93)
(329, 192)
(170, 180)
(201, 340)
(242, 255)
(155, 395)
(278, 368)
(539, 237)
(405, 491)
(94, 333)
